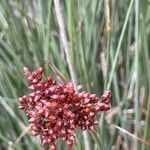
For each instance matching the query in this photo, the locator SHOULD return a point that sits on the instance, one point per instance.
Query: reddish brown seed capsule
(87, 110)
(52, 147)
(40, 70)
(49, 78)
(21, 100)
(55, 110)
(92, 128)
(55, 96)
(66, 106)
(106, 96)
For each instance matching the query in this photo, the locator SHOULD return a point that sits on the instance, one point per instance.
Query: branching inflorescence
(55, 109)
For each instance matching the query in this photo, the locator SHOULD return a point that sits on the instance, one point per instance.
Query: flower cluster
(55, 109)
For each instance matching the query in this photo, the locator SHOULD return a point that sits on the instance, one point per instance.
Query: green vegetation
(108, 43)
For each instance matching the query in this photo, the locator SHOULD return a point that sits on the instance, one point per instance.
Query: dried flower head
(55, 109)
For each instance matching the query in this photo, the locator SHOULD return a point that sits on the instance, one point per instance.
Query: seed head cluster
(55, 110)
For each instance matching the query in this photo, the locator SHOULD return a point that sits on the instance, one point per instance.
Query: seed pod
(55, 110)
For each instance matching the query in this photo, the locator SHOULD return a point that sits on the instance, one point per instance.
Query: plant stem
(66, 49)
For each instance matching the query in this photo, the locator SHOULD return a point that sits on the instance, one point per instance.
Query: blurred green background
(109, 48)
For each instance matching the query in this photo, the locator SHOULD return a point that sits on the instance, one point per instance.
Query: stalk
(70, 65)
